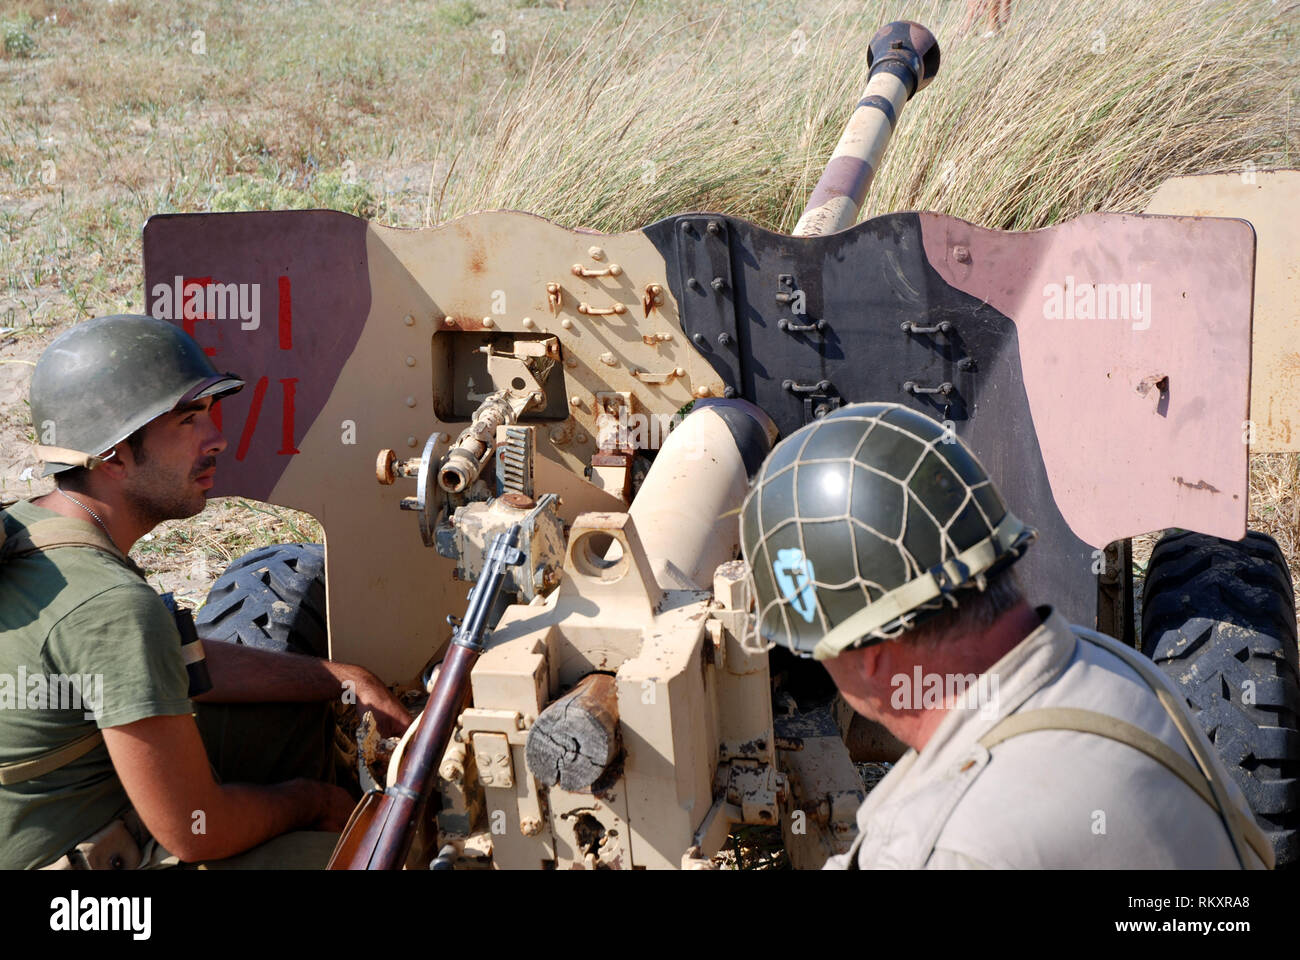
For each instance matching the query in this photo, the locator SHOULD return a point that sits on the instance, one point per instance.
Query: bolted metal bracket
(786, 290)
(789, 294)
(492, 758)
(752, 787)
(918, 390)
(819, 398)
(789, 326)
(911, 326)
(707, 295)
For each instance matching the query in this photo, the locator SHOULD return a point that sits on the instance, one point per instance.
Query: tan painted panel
(1270, 200)
(389, 594)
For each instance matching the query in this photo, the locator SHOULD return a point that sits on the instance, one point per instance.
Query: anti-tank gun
(616, 718)
(613, 711)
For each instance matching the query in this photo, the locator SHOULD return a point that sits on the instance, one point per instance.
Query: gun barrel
(903, 58)
(470, 452)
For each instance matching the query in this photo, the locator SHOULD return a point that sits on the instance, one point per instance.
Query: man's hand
(337, 807)
(243, 674)
(390, 716)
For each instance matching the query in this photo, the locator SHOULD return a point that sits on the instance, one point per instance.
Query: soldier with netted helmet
(878, 545)
(123, 410)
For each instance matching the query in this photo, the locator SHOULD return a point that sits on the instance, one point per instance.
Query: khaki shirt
(1050, 798)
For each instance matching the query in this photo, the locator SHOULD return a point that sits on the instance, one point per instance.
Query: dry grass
(185, 556)
(1275, 502)
(1076, 107)
(607, 117)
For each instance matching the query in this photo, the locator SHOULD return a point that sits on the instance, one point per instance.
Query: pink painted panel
(1134, 336)
(306, 273)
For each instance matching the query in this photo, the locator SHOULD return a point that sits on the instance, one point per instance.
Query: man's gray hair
(976, 612)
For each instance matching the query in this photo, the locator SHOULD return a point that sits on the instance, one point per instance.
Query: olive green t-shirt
(84, 643)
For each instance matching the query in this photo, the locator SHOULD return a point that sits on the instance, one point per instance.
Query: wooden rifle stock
(379, 835)
(380, 831)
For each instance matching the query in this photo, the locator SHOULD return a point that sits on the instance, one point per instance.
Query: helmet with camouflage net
(104, 379)
(861, 524)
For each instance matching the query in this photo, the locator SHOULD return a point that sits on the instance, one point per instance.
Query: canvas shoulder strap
(50, 534)
(1101, 725)
(55, 532)
(51, 760)
(1203, 777)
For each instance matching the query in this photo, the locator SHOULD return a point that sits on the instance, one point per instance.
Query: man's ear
(857, 666)
(871, 659)
(114, 468)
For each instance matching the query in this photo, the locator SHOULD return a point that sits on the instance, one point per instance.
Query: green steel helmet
(862, 524)
(104, 379)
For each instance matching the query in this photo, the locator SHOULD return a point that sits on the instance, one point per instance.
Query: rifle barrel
(387, 826)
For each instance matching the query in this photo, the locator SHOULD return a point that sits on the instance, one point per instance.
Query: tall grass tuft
(1074, 107)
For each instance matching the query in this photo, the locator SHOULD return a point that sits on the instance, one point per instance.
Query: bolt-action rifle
(379, 833)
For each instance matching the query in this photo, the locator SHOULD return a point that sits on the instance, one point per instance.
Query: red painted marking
(286, 316)
(287, 447)
(188, 319)
(254, 410)
(215, 412)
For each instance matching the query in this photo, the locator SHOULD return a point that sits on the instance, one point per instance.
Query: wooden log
(575, 738)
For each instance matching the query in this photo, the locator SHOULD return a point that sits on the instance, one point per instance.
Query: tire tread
(272, 598)
(1218, 617)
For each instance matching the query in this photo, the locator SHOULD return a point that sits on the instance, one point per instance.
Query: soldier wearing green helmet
(105, 379)
(878, 545)
(130, 772)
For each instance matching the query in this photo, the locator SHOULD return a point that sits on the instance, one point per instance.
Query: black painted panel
(862, 285)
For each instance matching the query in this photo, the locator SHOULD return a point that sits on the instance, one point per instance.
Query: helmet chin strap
(72, 458)
(1007, 541)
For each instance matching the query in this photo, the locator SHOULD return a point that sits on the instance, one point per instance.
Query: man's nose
(216, 441)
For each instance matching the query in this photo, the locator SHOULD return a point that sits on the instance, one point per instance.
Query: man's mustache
(205, 465)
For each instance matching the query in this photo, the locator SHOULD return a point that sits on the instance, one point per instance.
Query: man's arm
(243, 674)
(164, 767)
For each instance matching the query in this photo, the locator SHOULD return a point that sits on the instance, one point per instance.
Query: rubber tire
(1215, 615)
(272, 598)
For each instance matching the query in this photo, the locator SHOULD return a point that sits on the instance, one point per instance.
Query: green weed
(18, 43)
